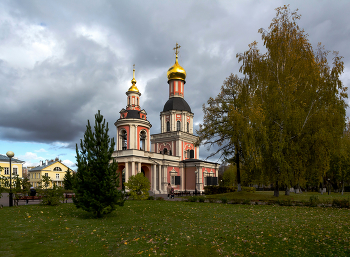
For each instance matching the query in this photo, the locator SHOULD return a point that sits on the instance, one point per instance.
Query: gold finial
(176, 71)
(133, 81)
(177, 49)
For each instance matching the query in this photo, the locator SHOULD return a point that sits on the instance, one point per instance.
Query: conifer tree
(68, 180)
(96, 183)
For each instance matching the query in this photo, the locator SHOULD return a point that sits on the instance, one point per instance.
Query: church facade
(170, 156)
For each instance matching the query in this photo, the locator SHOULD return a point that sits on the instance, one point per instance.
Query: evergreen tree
(96, 183)
(68, 180)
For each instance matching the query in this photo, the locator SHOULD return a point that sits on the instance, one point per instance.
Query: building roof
(176, 103)
(38, 168)
(4, 158)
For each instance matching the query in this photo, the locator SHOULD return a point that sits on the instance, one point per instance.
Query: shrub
(314, 201)
(224, 200)
(211, 200)
(249, 189)
(52, 196)
(212, 190)
(340, 203)
(193, 199)
(139, 186)
(246, 201)
(201, 199)
(150, 197)
(160, 198)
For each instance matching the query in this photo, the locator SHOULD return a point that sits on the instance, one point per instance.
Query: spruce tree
(68, 180)
(96, 183)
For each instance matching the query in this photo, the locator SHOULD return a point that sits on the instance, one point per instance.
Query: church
(170, 156)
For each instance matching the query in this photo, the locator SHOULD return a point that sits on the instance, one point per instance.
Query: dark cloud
(61, 61)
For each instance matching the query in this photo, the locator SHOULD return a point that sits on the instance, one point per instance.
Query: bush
(213, 190)
(224, 200)
(246, 201)
(249, 189)
(201, 199)
(340, 203)
(211, 200)
(52, 196)
(314, 201)
(193, 199)
(150, 197)
(139, 186)
(160, 198)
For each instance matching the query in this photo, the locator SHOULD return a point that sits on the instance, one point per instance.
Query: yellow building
(55, 170)
(16, 166)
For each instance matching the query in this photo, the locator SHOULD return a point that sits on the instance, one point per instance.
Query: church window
(57, 176)
(165, 151)
(57, 169)
(137, 101)
(143, 140)
(124, 139)
(167, 126)
(188, 127)
(170, 152)
(178, 123)
(129, 100)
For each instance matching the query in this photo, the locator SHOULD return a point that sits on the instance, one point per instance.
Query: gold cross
(177, 48)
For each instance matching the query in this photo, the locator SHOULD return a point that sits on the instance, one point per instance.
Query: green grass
(149, 228)
(268, 195)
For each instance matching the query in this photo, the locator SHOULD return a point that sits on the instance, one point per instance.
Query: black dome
(176, 103)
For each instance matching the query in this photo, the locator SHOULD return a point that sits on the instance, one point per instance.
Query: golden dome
(176, 72)
(133, 87)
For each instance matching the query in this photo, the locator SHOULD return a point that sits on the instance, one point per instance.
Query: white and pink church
(170, 156)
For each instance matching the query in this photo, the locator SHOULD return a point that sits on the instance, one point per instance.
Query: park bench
(27, 199)
(68, 196)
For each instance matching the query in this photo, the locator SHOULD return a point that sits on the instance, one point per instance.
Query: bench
(67, 196)
(26, 198)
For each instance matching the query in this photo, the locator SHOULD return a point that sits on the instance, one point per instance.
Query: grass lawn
(149, 228)
(268, 195)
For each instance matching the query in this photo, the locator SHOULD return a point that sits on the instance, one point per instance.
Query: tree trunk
(287, 191)
(238, 172)
(342, 189)
(276, 192)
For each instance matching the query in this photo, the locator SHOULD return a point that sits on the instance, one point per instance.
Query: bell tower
(133, 128)
(176, 137)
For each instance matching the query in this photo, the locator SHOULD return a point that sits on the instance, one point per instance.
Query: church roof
(135, 114)
(176, 103)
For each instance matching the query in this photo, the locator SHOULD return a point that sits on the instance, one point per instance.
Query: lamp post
(10, 154)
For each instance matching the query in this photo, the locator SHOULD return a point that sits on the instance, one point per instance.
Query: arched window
(143, 136)
(57, 169)
(124, 139)
(137, 101)
(165, 151)
(188, 127)
(178, 125)
(129, 100)
(167, 126)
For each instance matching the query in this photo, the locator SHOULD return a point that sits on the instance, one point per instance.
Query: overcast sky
(61, 61)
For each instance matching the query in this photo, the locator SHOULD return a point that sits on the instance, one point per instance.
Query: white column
(160, 177)
(126, 171)
(200, 178)
(133, 168)
(154, 170)
(136, 138)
